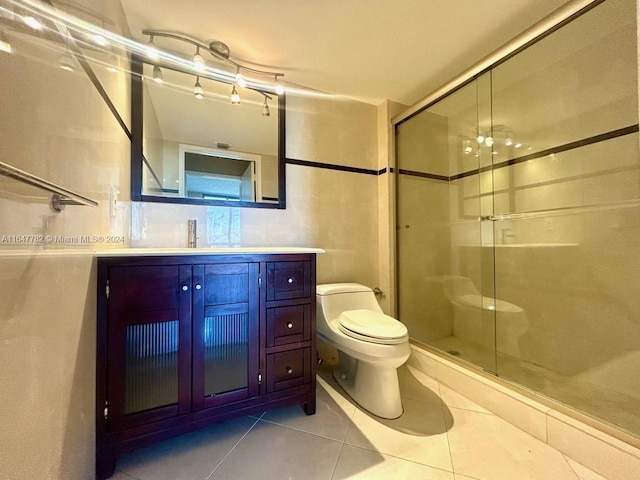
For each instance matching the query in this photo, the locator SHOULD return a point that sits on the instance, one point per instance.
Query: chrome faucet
(192, 237)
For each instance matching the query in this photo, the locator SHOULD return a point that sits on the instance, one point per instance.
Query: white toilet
(371, 345)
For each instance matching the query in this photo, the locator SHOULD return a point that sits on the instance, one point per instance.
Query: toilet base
(376, 389)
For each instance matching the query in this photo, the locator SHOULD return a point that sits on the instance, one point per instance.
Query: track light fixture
(198, 61)
(240, 80)
(198, 92)
(32, 22)
(221, 54)
(5, 46)
(100, 40)
(235, 98)
(66, 59)
(277, 86)
(113, 63)
(265, 108)
(152, 51)
(157, 74)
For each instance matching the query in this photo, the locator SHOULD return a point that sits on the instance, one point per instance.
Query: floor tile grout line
(399, 458)
(446, 433)
(570, 466)
(235, 446)
(270, 422)
(335, 465)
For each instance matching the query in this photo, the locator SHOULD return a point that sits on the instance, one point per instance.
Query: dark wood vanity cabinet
(187, 341)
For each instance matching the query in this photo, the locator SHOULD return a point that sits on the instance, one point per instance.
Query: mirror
(204, 151)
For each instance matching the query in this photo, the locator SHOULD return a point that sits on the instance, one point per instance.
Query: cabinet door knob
(198, 286)
(185, 288)
(289, 370)
(290, 280)
(289, 325)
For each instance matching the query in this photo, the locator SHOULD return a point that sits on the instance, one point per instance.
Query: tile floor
(441, 436)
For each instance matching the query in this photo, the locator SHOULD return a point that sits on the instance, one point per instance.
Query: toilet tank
(334, 298)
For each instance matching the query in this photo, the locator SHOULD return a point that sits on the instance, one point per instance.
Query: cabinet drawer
(288, 369)
(288, 325)
(287, 280)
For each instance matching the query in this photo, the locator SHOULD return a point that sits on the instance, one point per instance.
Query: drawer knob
(289, 370)
(289, 325)
(198, 286)
(289, 280)
(185, 288)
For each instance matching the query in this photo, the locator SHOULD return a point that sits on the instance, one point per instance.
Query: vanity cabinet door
(149, 344)
(225, 333)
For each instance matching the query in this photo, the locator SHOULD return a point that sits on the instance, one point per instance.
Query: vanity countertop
(146, 252)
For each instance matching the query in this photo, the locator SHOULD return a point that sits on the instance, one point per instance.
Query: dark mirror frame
(138, 159)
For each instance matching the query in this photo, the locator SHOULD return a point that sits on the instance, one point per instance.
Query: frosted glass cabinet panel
(225, 333)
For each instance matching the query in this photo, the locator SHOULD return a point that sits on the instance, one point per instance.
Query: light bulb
(198, 92)
(198, 61)
(100, 40)
(508, 142)
(152, 51)
(66, 62)
(157, 74)
(33, 22)
(5, 46)
(278, 86)
(517, 145)
(113, 63)
(480, 138)
(265, 108)
(466, 147)
(235, 98)
(240, 80)
(489, 141)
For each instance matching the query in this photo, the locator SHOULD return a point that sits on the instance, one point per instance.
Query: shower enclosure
(518, 217)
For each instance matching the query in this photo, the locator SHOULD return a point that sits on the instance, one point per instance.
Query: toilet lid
(370, 326)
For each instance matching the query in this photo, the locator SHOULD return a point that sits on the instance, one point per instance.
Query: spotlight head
(198, 92)
(198, 61)
(240, 80)
(235, 98)
(157, 74)
(152, 51)
(66, 62)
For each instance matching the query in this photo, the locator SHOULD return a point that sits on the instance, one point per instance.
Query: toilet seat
(374, 327)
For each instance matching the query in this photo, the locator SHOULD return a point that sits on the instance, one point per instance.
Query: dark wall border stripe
(621, 132)
(414, 173)
(331, 166)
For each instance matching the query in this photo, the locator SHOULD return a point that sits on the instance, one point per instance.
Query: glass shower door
(444, 252)
(567, 262)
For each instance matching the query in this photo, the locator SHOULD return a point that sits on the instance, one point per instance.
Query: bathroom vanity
(191, 337)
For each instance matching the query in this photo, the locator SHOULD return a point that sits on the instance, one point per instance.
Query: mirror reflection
(200, 145)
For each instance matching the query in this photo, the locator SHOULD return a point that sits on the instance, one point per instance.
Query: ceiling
(368, 50)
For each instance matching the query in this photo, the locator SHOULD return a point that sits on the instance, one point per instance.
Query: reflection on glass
(226, 353)
(440, 197)
(548, 280)
(151, 366)
(207, 147)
